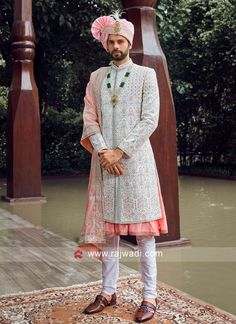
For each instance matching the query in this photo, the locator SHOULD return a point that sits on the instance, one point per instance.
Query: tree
(198, 37)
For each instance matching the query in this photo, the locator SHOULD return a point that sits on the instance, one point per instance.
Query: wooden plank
(32, 258)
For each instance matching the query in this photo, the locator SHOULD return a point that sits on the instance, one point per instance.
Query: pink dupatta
(93, 230)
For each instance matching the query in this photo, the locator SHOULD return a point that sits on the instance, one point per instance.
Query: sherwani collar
(122, 66)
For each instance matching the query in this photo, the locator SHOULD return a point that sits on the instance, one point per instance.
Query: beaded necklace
(116, 92)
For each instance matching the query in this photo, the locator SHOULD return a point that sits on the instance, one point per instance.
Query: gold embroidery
(114, 100)
(117, 27)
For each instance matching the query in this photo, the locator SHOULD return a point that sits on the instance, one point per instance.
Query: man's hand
(116, 169)
(109, 157)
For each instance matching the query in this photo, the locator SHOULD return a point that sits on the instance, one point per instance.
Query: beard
(121, 56)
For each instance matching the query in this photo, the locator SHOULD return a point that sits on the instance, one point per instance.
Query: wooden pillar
(147, 51)
(23, 129)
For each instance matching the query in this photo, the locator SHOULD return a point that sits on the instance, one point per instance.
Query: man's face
(118, 46)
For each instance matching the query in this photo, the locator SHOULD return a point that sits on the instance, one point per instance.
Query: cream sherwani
(132, 197)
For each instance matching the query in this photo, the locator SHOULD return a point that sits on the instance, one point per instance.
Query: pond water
(205, 270)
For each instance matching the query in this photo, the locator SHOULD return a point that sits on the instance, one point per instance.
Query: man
(121, 112)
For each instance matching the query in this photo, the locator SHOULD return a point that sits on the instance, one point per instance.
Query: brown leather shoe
(99, 304)
(145, 311)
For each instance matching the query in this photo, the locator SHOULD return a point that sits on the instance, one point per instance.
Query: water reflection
(208, 211)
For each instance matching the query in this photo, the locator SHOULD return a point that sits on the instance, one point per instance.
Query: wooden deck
(32, 258)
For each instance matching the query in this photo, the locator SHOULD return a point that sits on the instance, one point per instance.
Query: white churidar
(110, 265)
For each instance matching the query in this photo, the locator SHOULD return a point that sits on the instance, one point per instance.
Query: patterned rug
(65, 306)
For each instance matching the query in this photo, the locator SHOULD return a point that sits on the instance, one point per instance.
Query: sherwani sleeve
(149, 116)
(91, 128)
(98, 142)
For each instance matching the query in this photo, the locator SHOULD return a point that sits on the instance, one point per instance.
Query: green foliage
(61, 149)
(63, 35)
(198, 37)
(209, 170)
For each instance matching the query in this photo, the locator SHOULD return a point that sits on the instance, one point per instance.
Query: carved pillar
(147, 51)
(23, 130)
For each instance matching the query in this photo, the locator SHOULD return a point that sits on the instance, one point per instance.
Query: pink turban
(103, 26)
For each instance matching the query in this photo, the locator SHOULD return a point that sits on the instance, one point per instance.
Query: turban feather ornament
(103, 26)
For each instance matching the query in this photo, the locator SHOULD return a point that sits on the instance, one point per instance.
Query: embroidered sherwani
(132, 200)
